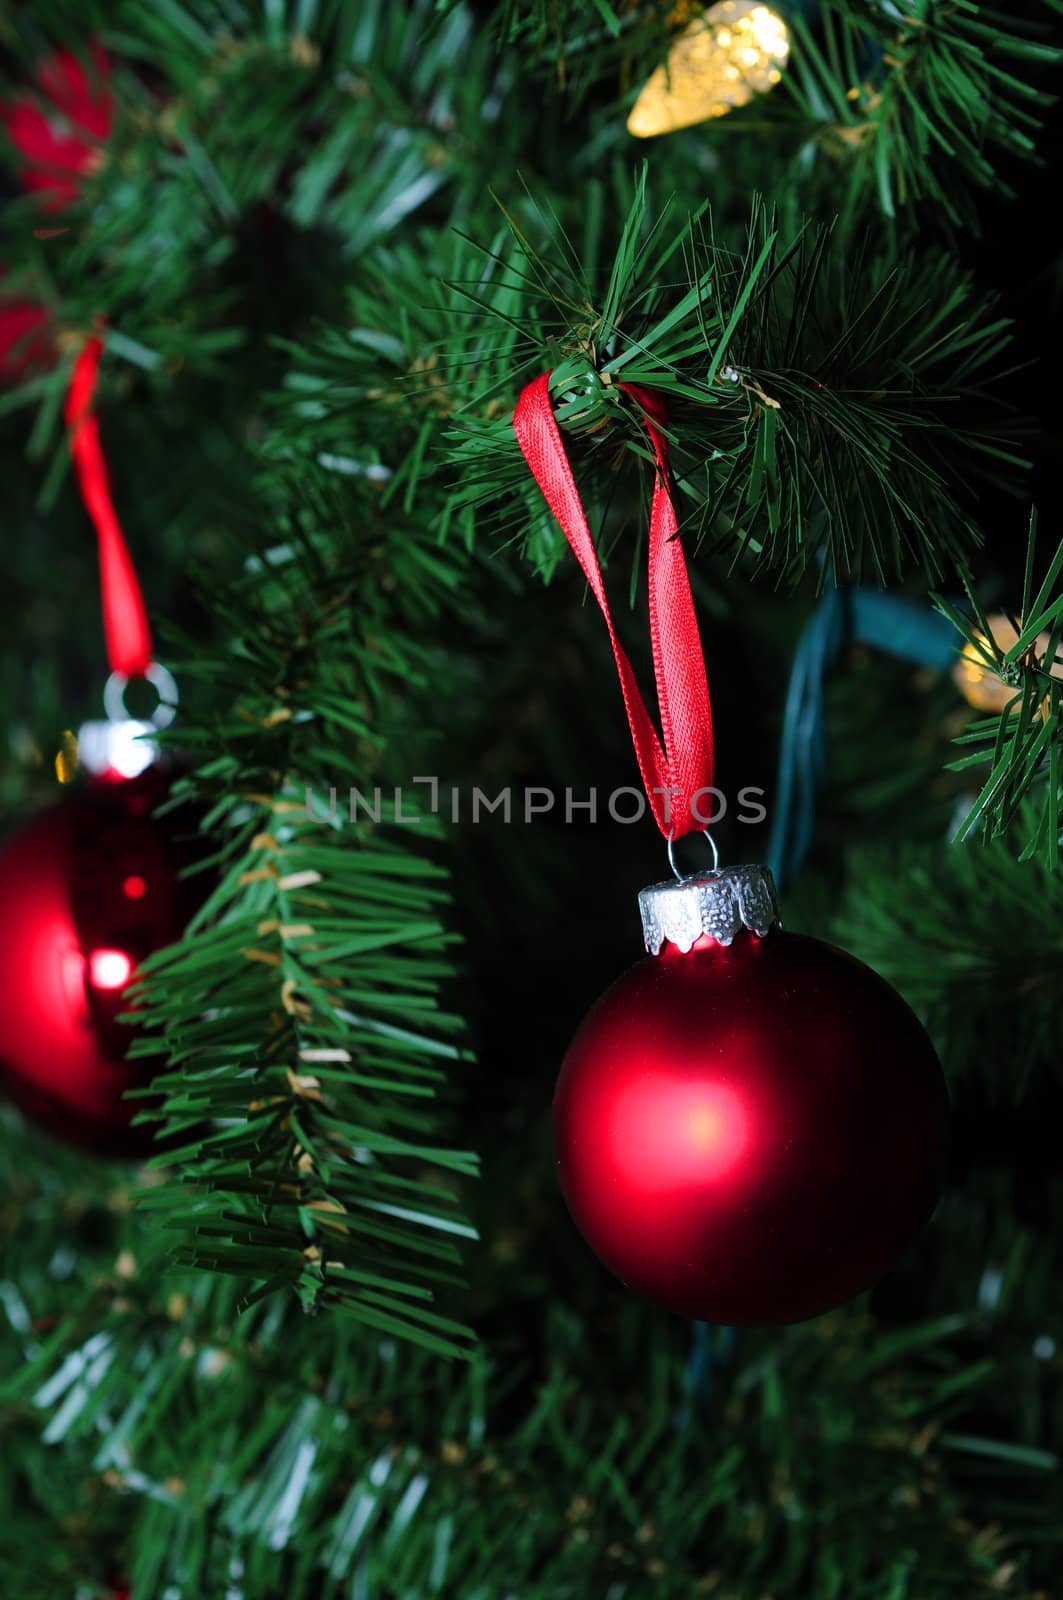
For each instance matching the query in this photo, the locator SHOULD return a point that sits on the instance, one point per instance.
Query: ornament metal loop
(161, 680)
(681, 877)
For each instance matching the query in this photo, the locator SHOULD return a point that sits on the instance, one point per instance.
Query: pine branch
(912, 104)
(577, 46)
(392, 378)
(972, 938)
(1023, 745)
(837, 1446)
(921, 104)
(247, 171)
(820, 397)
(299, 1014)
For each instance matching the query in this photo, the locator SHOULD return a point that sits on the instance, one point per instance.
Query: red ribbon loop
(677, 772)
(125, 620)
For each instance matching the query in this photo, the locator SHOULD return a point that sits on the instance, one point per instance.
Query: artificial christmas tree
(315, 1344)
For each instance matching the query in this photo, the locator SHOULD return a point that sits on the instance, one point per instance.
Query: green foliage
(303, 141)
(831, 1458)
(394, 375)
(921, 103)
(972, 937)
(817, 396)
(900, 104)
(299, 1013)
(1022, 746)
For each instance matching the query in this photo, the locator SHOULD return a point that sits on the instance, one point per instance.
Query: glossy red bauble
(87, 890)
(750, 1134)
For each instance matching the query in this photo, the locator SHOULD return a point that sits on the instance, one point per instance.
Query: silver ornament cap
(716, 904)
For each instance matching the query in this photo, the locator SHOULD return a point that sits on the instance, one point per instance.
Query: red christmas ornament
(750, 1125)
(92, 887)
(87, 890)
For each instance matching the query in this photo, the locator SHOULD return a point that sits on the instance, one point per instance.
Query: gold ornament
(983, 687)
(733, 51)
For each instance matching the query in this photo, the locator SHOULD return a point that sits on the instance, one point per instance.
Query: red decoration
(61, 131)
(677, 770)
(61, 141)
(749, 1125)
(750, 1134)
(125, 620)
(71, 935)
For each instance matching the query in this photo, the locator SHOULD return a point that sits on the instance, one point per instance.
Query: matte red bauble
(750, 1125)
(87, 890)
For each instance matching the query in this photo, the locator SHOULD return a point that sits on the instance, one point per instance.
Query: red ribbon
(125, 621)
(678, 771)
